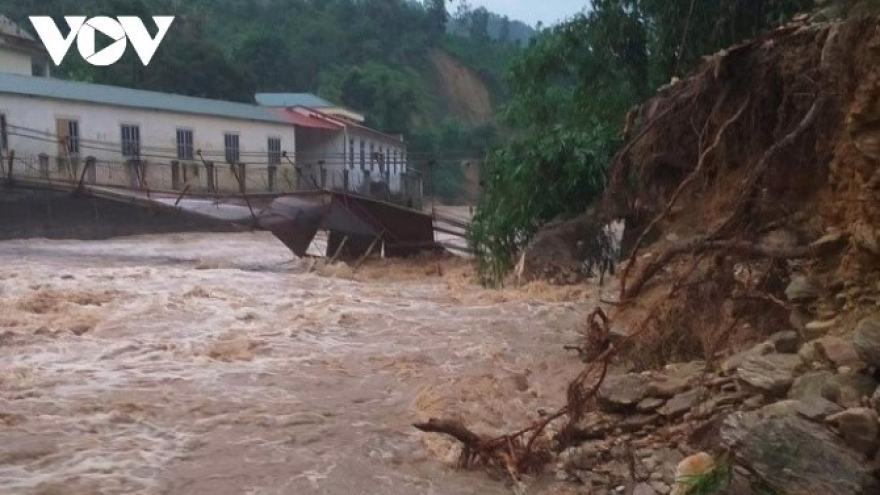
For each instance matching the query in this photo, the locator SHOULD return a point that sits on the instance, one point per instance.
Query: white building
(143, 138)
(335, 146)
(106, 135)
(21, 53)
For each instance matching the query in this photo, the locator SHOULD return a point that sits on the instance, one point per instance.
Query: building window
(131, 141)
(363, 157)
(73, 137)
(185, 148)
(351, 154)
(394, 161)
(233, 150)
(68, 136)
(274, 151)
(372, 157)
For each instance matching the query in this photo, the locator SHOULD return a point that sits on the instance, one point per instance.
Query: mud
(218, 364)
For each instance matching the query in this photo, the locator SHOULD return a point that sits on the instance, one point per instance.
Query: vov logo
(120, 30)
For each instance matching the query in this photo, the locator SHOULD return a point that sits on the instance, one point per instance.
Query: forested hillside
(383, 57)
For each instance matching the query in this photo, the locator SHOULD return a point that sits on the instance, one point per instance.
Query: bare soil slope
(465, 95)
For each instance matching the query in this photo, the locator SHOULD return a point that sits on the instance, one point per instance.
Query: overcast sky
(532, 11)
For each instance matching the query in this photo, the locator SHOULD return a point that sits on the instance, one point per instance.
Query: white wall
(387, 146)
(99, 127)
(15, 62)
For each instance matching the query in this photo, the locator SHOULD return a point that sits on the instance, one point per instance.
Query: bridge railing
(149, 174)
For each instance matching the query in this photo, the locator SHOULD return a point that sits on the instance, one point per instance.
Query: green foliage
(556, 172)
(713, 482)
(387, 95)
(444, 149)
(570, 92)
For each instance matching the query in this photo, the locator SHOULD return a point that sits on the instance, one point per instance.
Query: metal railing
(206, 176)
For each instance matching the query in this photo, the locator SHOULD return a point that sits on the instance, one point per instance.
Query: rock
(791, 455)
(690, 467)
(875, 400)
(867, 237)
(622, 392)
(818, 328)
(773, 375)
(734, 362)
(840, 352)
(661, 488)
(813, 358)
(754, 402)
(785, 342)
(817, 408)
(632, 423)
(644, 489)
(584, 457)
(801, 289)
(649, 405)
(867, 340)
(810, 385)
(859, 428)
(682, 403)
(849, 390)
(667, 387)
(780, 409)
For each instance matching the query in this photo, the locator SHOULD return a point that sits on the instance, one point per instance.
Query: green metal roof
(132, 98)
(292, 100)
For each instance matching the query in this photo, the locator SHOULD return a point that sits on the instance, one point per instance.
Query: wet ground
(219, 364)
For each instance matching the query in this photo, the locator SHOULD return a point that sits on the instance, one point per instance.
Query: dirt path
(214, 364)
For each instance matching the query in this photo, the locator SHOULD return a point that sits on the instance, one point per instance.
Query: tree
(438, 16)
(504, 30)
(479, 25)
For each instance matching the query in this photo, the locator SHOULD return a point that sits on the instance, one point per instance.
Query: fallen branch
(452, 428)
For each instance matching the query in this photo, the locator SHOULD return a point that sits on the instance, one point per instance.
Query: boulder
(792, 455)
(772, 375)
(849, 389)
(622, 392)
(801, 289)
(810, 385)
(817, 408)
(649, 405)
(644, 489)
(785, 342)
(866, 340)
(875, 400)
(859, 428)
(682, 403)
(840, 353)
(734, 362)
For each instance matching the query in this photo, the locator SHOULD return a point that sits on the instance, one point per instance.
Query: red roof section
(313, 122)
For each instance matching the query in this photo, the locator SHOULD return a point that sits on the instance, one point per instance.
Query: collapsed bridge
(357, 226)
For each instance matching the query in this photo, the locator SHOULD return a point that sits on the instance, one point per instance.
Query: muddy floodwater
(220, 364)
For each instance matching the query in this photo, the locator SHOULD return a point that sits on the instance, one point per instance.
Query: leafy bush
(532, 181)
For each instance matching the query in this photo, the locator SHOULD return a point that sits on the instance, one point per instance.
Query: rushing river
(219, 364)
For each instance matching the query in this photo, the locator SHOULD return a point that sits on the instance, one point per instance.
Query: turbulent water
(219, 364)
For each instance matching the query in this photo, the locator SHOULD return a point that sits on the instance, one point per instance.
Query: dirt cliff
(464, 94)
